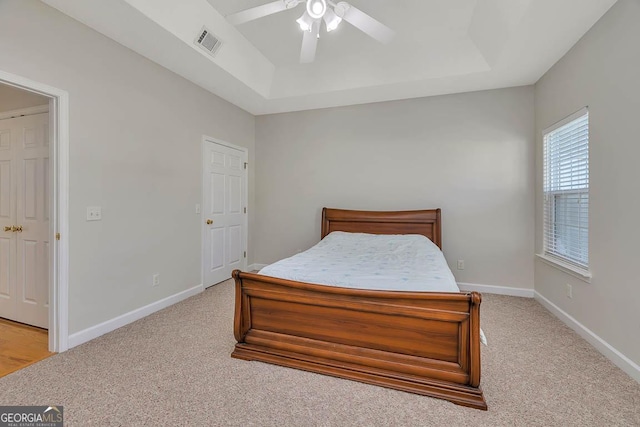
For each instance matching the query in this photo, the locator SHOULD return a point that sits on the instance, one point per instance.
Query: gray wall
(14, 99)
(601, 71)
(135, 150)
(470, 154)
(136, 130)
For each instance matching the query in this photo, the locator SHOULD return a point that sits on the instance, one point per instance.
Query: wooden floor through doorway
(20, 346)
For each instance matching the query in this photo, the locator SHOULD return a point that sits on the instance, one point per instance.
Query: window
(566, 191)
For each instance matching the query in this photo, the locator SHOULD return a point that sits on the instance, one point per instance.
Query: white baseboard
(122, 320)
(618, 359)
(500, 290)
(256, 267)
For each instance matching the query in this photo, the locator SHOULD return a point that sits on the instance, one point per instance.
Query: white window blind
(566, 190)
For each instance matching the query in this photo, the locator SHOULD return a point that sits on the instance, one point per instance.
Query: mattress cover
(408, 262)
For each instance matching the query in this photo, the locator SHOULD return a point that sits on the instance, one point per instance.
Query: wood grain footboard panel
(420, 342)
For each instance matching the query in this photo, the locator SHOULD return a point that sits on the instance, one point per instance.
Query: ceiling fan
(315, 12)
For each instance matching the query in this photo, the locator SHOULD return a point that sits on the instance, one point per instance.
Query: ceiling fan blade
(257, 12)
(368, 25)
(309, 43)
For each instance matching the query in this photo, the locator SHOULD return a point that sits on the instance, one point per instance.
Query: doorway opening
(34, 144)
(24, 227)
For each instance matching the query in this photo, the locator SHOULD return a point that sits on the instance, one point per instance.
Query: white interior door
(24, 219)
(8, 238)
(224, 211)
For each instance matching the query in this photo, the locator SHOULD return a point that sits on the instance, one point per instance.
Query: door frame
(59, 205)
(245, 199)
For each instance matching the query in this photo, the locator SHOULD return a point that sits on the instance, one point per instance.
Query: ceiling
(441, 47)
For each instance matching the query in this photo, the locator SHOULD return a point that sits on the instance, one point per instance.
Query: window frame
(564, 263)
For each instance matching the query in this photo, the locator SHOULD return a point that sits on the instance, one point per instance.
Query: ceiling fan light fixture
(316, 8)
(331, 20)
(305, 22)
(332, 12)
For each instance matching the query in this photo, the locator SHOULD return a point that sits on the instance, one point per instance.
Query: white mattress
(370, 261)
(407, 262)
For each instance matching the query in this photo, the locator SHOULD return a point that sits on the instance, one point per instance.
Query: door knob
(18, 229)
(209, 221)
(8, 228)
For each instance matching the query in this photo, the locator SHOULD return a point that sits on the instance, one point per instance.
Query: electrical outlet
(460, 264)
(569, 291)
(156, 280)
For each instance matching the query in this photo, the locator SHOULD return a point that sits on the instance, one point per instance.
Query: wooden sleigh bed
(420, 342)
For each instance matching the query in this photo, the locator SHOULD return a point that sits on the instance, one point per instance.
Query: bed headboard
(425, 222)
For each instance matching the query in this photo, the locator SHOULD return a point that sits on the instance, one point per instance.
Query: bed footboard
(419, 342)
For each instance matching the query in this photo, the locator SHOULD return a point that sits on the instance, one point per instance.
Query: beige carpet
(173, 369)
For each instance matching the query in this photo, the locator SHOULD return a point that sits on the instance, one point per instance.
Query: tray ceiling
(441, 46)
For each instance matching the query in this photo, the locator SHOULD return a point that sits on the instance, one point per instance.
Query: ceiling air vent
(208, 42)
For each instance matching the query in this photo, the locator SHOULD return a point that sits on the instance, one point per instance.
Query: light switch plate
(94, 213)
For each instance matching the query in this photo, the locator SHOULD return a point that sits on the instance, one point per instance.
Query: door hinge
(245, 209)
(245, 165)
(245, 254)
(57, 236)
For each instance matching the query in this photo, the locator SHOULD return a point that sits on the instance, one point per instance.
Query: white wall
(470, 154)
(135, 150)
(14, 99)
(601, 71)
